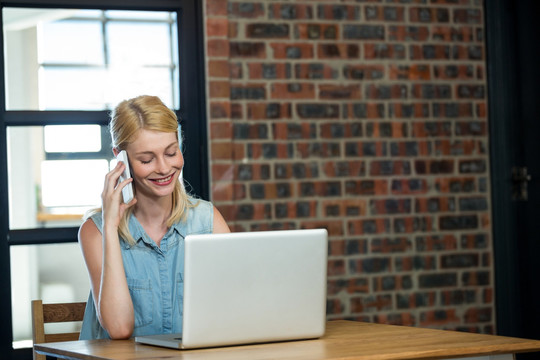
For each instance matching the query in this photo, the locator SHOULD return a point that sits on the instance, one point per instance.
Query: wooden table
(342, 340)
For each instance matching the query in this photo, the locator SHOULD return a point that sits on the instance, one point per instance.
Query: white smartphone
(127, 191)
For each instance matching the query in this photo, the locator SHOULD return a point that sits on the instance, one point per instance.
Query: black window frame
(192, 115)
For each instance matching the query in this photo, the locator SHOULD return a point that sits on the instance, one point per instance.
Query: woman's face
(156, 162)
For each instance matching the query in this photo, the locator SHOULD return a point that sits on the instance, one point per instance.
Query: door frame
(504, 92)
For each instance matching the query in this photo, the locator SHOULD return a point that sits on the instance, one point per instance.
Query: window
(62, 71)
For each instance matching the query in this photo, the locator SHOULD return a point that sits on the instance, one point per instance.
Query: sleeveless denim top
(154, 275)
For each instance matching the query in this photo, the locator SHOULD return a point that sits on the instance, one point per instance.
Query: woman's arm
(220, 226)
(103, 258)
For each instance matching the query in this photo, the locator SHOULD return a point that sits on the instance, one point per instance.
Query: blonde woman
(134, 252)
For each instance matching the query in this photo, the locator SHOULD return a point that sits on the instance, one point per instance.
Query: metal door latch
(520, 181)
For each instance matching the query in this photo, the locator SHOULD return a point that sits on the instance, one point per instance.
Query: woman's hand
(113, 206)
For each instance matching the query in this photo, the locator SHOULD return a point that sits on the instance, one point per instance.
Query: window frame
(191, 113)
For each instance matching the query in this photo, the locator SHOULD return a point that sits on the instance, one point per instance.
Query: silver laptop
(251, 287)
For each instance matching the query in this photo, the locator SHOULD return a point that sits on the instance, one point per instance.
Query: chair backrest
(54, 313)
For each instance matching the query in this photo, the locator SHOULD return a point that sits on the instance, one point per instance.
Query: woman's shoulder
(89, 231)
(199, 204)
(200, 215)
(96, 219)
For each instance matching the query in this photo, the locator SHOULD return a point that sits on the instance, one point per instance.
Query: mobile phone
(127, 191)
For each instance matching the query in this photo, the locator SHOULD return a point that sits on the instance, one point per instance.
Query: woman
(134, 252)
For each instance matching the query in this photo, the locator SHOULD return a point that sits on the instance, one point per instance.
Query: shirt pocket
(143, 304)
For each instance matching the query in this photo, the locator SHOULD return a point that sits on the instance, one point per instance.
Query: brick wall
(367, 118)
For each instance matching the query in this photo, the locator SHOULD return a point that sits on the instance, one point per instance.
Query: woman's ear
(115, 151)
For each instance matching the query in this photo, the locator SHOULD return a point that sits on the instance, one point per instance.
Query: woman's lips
(163, 181)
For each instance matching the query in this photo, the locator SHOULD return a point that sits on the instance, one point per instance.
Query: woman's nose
(162, 166)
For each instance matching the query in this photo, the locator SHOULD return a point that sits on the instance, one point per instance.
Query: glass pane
(133, 44)
(53, 273)
(82, 38)
(72, 138)
(147, 15)
(148, 81)
(72, 183)
(72, 89)
(51, 193)
(56, 58)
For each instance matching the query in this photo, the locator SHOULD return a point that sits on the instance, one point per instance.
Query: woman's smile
(163, 181)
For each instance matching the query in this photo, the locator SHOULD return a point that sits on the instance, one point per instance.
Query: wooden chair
(54, 313)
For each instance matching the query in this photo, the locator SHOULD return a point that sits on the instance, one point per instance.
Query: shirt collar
(138, 233)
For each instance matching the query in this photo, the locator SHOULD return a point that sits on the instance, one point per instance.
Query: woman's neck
(153, 211)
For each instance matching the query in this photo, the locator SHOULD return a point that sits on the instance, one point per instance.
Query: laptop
(251, 287)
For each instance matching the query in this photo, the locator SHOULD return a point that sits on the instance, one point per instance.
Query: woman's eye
(172, 154)
(146, 161)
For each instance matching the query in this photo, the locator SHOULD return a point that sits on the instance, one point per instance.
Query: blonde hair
(149, 113)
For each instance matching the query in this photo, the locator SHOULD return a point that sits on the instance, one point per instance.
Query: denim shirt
(154, 275)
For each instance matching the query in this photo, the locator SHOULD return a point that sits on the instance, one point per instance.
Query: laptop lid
(254, 287)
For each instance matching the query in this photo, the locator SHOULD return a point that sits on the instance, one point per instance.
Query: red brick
(456, 72)
(227, 191)
(281, 131)
(410, 72)
(217, 27)
(223, 172)
(462, 147)
(488, 296)
(292, 50)
(248, 50)
(237, 111)
(384, 13)
(235, 70)
(292, 91)
(218, 68)
(366, 187)
(232, 31)
(338, 51)
(334, 228)
(387, 245)
(261, 110)
(220, 110)
(222, 151)
(336, 267)
(443, 204)
(408, 33)
(331, 91)
(379, 51)
(441, 317)
(220, 89)
(453, 34)
(217, 47)
(312, 31)
(363, 72)
(351, 286)
(328, 12)
(411, 110)
(239, 152)
(356, 227)
(290, 11)
(403, 319)
(255, 70)
(335, 306)
(409, 186)
(237, 11)
(221, 130)
(475, 315)
(216, 7)
(346, 205)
